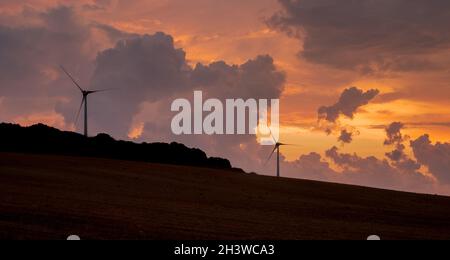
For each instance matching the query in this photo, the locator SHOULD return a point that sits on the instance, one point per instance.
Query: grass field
(51, 197)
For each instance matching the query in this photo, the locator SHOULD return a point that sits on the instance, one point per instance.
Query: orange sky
(217, 30)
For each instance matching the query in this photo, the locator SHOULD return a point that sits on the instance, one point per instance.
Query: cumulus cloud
(309, 166)
(384, 35)
(143, 68)
(400, 160)
(371, 171)
(257, 78)
(150, 70)
(436, 157)
(350, 101)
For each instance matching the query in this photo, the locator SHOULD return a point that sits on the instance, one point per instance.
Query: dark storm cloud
(369, 35)
(349, 103)
(436, 157)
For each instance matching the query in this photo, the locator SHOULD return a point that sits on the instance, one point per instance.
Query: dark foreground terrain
(50, 197)
(42, 139)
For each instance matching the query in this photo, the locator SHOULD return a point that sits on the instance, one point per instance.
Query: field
(51, 197)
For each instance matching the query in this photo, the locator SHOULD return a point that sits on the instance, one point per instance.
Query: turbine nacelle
(86, 93)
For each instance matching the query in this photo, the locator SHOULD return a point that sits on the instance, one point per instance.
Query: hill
(41, 139)
(50, 197)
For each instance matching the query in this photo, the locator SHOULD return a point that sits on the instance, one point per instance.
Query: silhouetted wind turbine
(276, 149)
(84, 101)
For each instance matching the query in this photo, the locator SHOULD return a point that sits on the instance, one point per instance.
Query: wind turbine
(84, 101)
(276, 149)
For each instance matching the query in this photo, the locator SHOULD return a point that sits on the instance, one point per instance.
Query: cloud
(26, 52)
(383, 35)
(142, 68)
(374, 172)
(150, 69)
(349, 103)
(256, 78)
(310, 166)
(346, 137)
(97, 5)
(436, 157)
(396, 138)
(400, 160)
(394, 135)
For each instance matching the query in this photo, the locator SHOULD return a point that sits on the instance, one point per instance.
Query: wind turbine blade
(102, 90)
(281, 144)
(273, 137)
(71, 78)
(79, 110)
(271, 155)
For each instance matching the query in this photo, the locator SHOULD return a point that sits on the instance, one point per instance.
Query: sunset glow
(312, 64)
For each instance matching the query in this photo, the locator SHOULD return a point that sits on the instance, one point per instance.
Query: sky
(363, 85)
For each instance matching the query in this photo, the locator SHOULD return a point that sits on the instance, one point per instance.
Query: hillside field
(51, 197)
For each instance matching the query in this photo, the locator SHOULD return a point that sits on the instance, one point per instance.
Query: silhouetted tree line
(41, 139)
